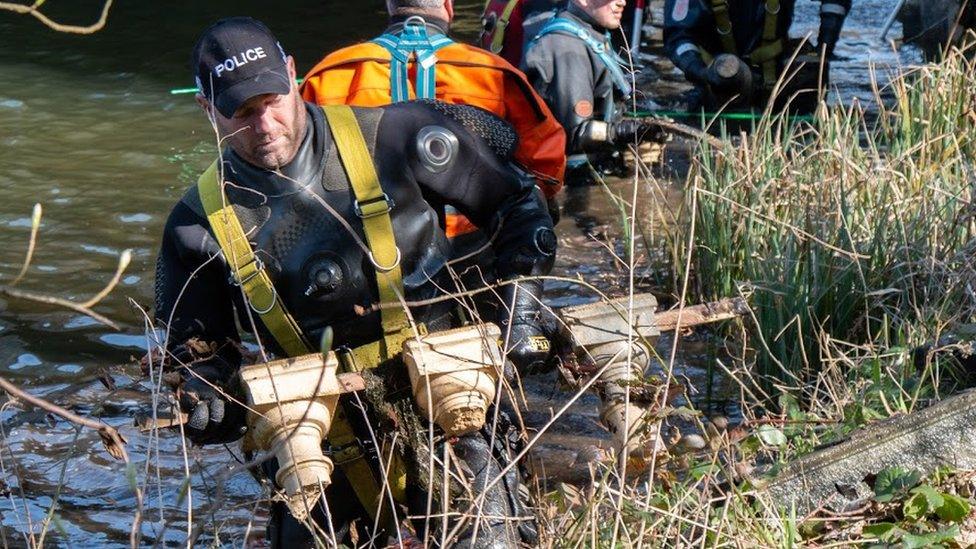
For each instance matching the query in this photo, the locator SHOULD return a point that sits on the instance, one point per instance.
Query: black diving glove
(730, 76)
(527, 327)
(694, 69)
(636, 130)
(210, 396)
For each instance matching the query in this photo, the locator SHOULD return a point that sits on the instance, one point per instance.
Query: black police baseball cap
(236, 59)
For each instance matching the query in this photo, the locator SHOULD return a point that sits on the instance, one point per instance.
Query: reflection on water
(88, 128)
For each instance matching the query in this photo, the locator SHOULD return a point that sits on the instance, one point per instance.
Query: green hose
(713, 115)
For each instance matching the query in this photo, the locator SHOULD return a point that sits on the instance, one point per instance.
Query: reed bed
(852, 237)
(858, 226)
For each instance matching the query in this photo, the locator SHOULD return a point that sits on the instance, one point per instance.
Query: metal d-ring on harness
(413, 41)
(386, 201)
(373, 207)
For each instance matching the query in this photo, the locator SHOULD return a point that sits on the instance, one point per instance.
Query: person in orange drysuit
(385, 70)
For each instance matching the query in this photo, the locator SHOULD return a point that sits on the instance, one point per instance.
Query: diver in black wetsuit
(294, 200)
(572, 65)
(735, 50)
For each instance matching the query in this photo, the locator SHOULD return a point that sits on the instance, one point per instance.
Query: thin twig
(35, 226)
(114, 442)
(60, 27)
(124, 260)
(60, 302)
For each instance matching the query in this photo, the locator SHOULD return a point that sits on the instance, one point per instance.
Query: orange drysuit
(359, 75)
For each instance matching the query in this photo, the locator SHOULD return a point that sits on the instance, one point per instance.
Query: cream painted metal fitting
(453, 375)
(610, 333)
(629, 424)
(292, 404)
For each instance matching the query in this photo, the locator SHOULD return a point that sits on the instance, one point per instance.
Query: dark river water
(89, 129)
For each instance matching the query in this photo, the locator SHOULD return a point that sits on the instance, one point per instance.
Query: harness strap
(723, 25)
(412, 40)
(247, 269)
(498, 36)
(602, 50)
(772, 45)
(766, 53)
(373, 206)
(765, 56)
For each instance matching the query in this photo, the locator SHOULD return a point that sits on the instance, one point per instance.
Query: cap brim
(271, 80)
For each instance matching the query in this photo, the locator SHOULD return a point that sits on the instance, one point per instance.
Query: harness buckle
(369, 210)
(258, 267)
(345, 453)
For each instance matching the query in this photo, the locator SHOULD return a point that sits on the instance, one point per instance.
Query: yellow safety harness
(373, 206)
(498, 34)
(764, 56)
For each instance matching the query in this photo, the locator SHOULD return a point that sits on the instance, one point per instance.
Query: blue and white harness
(602, 50)
(413, 40)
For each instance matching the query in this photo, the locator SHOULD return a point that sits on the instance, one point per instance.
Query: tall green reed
(847, 226)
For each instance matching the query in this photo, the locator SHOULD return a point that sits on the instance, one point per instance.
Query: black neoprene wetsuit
(302, 225)
(295, 234)
(691, 33)
(572, 80)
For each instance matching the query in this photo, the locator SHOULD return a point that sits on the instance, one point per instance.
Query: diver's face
(606, 13)
(267, 130)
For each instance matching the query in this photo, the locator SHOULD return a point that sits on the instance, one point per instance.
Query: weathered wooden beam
(697, 315)
(943, 434)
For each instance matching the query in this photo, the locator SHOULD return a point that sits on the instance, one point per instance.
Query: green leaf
(791, 406)
(893, 482)
(934, 539)
(954, 509)
(916, 508)
(771, 435)
(130, 476)
(699, 471)
(811, 529)
(933, 498)
(887, 532)
(750, 445)
(925, 500)
(684, 412)
(184, 489)
(59, 524)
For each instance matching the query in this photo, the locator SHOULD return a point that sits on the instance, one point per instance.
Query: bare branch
(34, 11)
(114, 442)
(60, 302)
(124, 260)
(83, 308)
